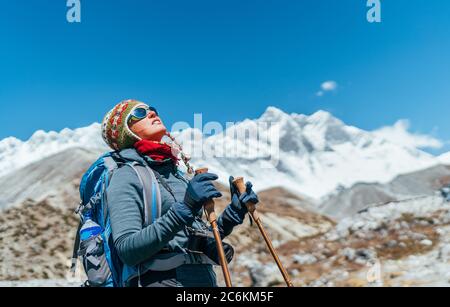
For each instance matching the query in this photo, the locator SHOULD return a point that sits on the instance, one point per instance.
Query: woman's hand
(200, 190)
(238, 202)
(210, 250)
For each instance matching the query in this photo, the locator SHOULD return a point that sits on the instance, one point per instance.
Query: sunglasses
(141, 113)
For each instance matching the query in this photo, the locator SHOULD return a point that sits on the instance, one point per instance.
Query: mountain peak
(322, 116)
(15, 153)
(8, 145)
(273, 114)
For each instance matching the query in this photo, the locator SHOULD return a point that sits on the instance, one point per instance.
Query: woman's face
(150, 128)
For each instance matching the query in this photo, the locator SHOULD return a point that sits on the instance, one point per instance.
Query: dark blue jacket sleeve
(228, 220)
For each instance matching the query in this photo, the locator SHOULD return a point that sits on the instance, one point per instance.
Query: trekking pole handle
(209, 205)
(240, 185)
(212, 218)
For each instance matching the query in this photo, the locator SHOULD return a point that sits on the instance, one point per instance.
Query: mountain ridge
(319, 153)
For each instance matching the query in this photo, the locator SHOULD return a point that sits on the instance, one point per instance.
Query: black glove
(238, 201)
(210, 250)
(200, 190)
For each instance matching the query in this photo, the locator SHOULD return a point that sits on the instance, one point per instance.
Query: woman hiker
(176, 250)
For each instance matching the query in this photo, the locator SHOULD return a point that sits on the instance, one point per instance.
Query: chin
(157, 134)
(163, 130)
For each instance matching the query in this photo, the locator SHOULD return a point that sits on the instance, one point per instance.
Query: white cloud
(327, 86)
(399, 133)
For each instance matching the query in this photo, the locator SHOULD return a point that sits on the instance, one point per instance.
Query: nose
(151, 114)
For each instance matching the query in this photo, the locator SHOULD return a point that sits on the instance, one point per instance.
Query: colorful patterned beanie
(115, 130)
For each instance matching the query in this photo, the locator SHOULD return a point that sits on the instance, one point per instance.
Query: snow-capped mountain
(15, 153)
(309, 155)
(318, 154)
(445, 158)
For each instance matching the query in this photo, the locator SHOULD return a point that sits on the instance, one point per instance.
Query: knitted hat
(115, 130)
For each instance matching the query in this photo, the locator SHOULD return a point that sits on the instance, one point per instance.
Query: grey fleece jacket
(136, 244)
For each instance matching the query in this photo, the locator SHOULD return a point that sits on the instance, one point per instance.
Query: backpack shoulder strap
(152, 193)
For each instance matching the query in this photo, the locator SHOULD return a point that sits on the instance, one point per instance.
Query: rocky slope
(36, 241)
(397, 244)
(54, 179)
(362, 195)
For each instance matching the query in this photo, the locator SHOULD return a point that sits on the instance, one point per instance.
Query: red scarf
(156, 151)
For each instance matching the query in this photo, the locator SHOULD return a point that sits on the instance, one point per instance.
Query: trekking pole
(212, 218)
(240, 185)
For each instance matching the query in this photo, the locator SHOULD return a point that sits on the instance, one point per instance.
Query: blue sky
(227, 59)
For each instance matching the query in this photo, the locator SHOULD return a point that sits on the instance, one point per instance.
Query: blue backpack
(99, 256)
